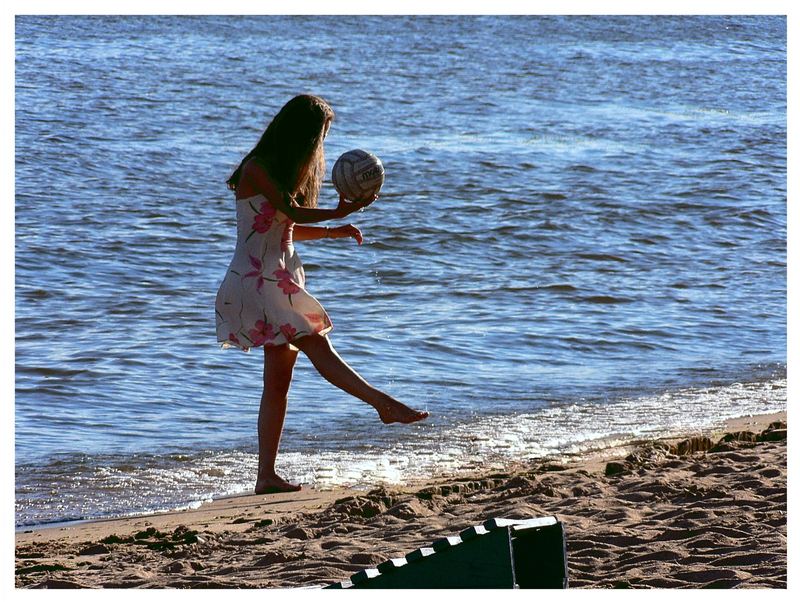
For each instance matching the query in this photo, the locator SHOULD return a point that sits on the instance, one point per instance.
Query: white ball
(358, 175)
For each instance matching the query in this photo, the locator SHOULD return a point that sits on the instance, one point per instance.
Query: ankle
(267, 474)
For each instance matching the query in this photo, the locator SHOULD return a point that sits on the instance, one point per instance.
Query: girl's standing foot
(274, 484)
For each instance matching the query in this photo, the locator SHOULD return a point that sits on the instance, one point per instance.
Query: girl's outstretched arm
(316, 233)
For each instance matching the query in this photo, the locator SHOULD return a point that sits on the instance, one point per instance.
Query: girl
(262, 300)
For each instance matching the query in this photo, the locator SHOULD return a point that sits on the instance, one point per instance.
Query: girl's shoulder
(254, 167)
(255, 180)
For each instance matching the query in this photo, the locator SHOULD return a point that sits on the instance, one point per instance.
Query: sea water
(582, 236)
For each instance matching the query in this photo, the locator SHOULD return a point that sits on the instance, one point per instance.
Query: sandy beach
(704, 510)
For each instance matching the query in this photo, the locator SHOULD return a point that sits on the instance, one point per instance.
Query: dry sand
(690, 513)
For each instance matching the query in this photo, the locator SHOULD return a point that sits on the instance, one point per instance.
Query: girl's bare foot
(398, 412)
(274, 484)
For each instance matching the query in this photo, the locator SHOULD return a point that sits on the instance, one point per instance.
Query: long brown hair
(291, 150)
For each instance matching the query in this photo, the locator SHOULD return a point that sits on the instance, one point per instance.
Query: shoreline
(601, 450)
(313, 537)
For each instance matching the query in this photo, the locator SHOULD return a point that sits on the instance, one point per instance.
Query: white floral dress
(263, 300)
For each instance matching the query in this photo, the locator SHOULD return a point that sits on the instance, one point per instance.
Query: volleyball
(358, 175)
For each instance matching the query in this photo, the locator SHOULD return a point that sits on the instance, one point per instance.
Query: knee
(276, 384)
(276, 391)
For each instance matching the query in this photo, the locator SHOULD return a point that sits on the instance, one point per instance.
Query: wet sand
(705, 510)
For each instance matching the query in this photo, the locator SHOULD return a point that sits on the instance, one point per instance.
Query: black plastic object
(498, 554)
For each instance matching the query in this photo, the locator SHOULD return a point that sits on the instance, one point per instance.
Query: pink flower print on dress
(234, 339)
(262, 333)
(289, 287)
(318, 321)
(257, 272)
(285, 282)
(263, 220)
(282, 274)
(289, 332)
(268, 209)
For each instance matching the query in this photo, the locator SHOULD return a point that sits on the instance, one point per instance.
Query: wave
(601, 257)
(605, 299)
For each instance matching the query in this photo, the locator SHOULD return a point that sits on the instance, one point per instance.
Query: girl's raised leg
(336, 371)
(278, 367)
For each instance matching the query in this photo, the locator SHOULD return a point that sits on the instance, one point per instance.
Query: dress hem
(228, 344)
